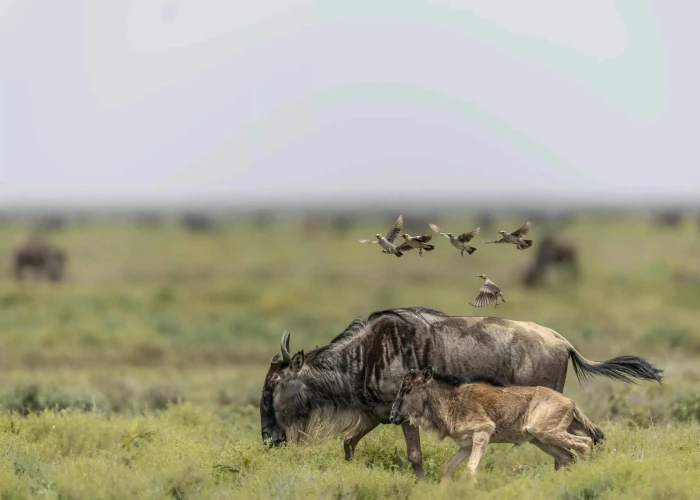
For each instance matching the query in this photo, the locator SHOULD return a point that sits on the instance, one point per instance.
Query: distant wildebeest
(148, 219)
(553, 251)
(475, 413)
(45, 260)
(349, 385)
(51, 223)
(343, 223)
(669, 218)
(197, 222)
(262, 219)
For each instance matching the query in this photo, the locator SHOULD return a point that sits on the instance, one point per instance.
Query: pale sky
(168, 99)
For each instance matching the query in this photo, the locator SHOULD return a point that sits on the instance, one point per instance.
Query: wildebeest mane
(397, 312)
(359, 323)
(351, 330)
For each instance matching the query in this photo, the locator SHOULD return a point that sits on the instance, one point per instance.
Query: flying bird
(387, 242)
(459, 242)
(419, 242)
(516, 237)
(488, 293)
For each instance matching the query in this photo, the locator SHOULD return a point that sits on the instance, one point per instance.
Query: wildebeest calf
(476, 413)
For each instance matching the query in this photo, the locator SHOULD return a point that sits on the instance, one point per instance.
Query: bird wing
(395, 229)
(369, 241)
(438, 230)
(404, 247)
(490, 288)
(423, 239)
(523, 230)
(483, 299)
(466, 237)
(497, 241)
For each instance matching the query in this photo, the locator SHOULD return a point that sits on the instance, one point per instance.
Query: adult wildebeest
(42, 257)
(349, 385)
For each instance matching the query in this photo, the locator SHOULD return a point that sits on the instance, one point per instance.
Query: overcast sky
(167, 99)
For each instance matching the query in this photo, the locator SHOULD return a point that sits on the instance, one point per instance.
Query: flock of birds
(489, 292)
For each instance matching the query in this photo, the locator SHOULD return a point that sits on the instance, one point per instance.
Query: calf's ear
(426, 374)
(297, 362)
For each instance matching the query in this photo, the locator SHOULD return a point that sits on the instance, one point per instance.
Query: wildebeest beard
(318, 404)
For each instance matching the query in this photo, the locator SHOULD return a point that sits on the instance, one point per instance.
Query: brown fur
(474, 414)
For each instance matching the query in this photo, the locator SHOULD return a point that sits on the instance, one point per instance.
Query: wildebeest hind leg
(412, 436)
(562, 456)
(351, 439)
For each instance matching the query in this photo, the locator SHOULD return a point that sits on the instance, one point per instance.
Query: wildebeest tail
(588, 427)
(623, 368)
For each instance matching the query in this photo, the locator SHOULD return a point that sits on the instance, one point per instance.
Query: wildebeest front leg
(352, 439)
(412, 436)
(454, 461)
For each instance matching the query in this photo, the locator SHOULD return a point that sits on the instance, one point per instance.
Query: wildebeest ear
(426, 374)
(297, 361)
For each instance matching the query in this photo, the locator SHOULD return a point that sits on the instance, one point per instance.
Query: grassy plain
(141, 374)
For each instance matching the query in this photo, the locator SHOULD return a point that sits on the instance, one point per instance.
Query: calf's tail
(588, 427)
(623, 368)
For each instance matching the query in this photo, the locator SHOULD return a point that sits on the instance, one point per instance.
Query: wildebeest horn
(285, 347)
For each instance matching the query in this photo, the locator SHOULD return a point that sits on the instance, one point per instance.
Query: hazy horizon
(161, 102)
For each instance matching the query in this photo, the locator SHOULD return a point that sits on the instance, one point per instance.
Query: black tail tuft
(597, 435)
(623, 368)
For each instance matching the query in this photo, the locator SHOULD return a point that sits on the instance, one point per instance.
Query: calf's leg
(562, 456)
(558, 436)
(480, 440)
(411, 434)
(454, 461)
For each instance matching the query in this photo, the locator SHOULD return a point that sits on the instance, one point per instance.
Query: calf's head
(412, 395)
(284, 396)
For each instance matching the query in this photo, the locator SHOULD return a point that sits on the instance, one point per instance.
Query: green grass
(140, 375)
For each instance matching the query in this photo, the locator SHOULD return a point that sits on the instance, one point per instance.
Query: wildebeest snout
(273, 437)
